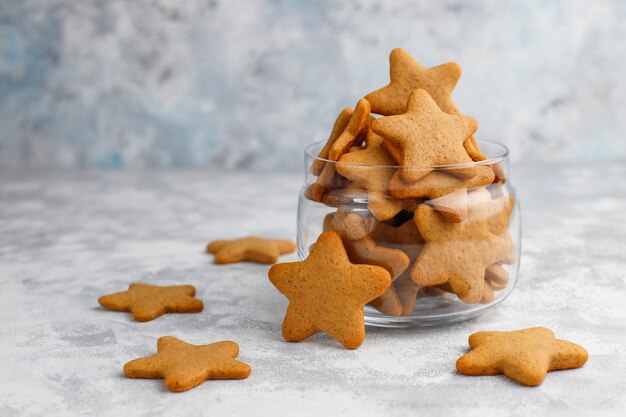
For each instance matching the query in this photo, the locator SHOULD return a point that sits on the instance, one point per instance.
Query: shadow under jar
(448, 235)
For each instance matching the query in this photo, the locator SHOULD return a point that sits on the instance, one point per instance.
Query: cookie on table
(526, 356)
(457, 253)
(424, 136)
(147, 302)
(327, 292)
(184, 366)
(250, 249)
(362, 249)
(370, 168)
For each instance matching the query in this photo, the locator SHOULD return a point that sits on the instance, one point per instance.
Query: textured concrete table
(66, 239)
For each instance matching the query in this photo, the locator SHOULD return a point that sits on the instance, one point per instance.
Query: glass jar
(449, 235)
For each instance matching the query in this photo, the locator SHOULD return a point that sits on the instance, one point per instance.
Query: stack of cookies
(413, 193)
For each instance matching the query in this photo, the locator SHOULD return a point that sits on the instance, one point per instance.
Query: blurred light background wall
(247, 84)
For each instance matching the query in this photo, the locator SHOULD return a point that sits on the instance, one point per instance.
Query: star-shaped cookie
(525, 356)
(425, 136)
(327, 292)
(184, 366)
(407, 75)
(457, 253)
(371, 168)
(147, 302)
(251, 249)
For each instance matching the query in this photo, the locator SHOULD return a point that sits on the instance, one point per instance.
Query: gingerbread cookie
(456, 253)
(251, 249)
(327, 292)
(437, 184)
(407, 75)
(340, 125)
(525, 356)
(358, 124)
(371, 169)
(425, 136)
(147, 302)
(184, 366)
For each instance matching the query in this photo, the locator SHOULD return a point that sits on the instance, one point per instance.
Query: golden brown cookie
(358, 123)
(340, 125)
(425, 136)
(251, 249)
(407, 75)
(184, 366)
(147, 302)
(327, 292)
(352, 134)
(371, 169)
(457, 253)
(362, 249)
(525, 356)
(437, 184)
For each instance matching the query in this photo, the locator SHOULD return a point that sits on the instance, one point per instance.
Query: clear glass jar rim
(503, 155)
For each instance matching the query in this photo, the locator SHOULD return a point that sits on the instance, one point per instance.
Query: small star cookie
(407, 75)
(147, 302)
(425, 136)
(251, 249)
(184, 366)
(327, 292)
(525, 356)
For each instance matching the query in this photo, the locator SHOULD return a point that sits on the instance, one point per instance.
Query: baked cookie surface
(184, 366)
(525, 356)
(249, 249)
(327, 292)
(147, 302)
